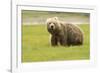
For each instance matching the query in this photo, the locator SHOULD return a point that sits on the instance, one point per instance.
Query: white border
(17, 66)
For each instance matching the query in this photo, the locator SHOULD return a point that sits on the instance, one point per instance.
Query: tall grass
(36, 45)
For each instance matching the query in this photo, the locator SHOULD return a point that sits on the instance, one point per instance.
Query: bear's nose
(52, 26)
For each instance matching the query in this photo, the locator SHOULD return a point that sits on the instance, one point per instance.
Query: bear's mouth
(51, 30)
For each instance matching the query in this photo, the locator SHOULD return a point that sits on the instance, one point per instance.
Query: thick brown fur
(65, 34)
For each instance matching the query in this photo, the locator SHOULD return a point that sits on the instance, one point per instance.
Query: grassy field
(36, 46)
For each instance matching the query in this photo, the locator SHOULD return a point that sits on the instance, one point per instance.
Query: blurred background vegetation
(30, 17)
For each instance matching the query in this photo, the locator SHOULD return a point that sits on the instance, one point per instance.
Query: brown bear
(63, 33)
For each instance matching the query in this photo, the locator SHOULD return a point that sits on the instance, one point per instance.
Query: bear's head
(53, 25)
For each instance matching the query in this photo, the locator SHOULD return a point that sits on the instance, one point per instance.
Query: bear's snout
(52, 26)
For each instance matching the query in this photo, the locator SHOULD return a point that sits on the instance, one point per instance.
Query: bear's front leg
(63, 41)
(54, 41)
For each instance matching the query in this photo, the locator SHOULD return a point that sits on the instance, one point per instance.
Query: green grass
(36, 46)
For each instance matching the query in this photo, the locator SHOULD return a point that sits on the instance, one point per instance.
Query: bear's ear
(56, 18)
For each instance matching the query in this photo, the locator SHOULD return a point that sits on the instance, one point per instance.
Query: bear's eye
(54, 23)
(49, 23)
